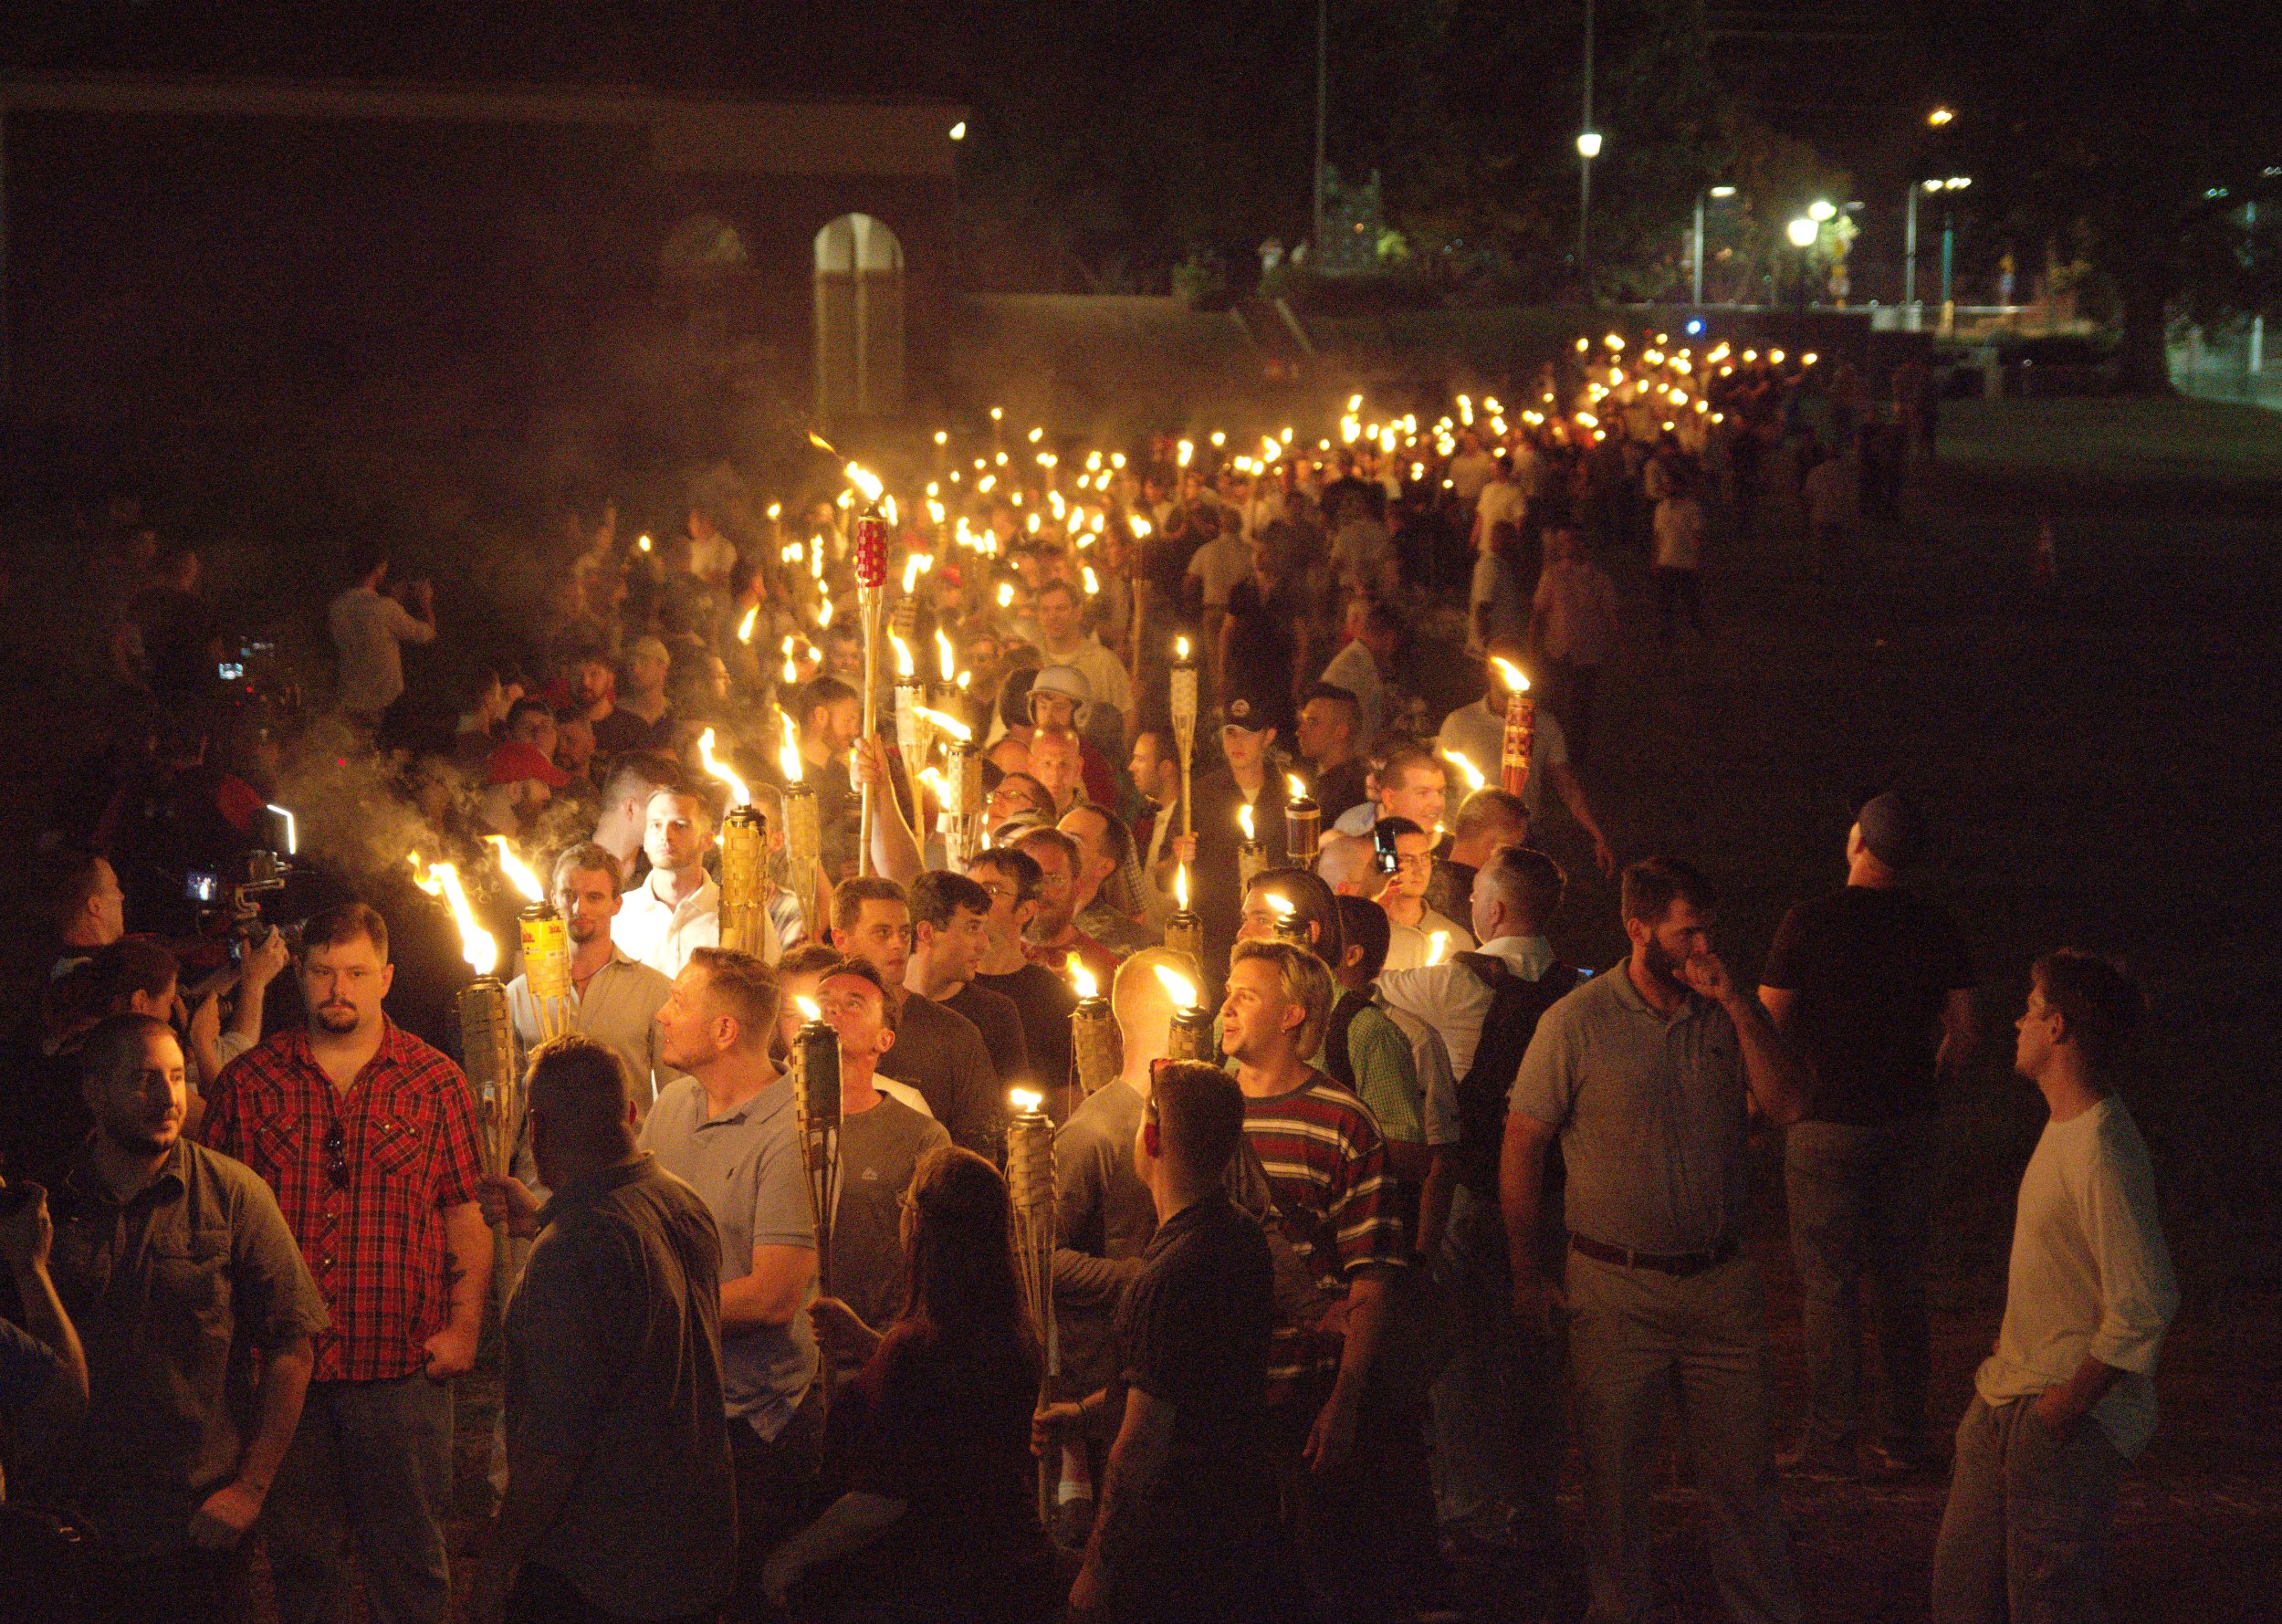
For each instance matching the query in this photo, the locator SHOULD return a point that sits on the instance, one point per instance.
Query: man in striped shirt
(1351, 1473)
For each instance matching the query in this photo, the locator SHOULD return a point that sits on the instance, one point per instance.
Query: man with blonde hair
(1351, 1471)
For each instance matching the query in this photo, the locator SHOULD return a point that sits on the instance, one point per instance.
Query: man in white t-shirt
(1477, 732)
(677, 909)
(2067, 1399)
(1502, 501)
(1471, 469)
(369, 629)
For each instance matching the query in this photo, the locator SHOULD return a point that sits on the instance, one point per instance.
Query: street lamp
(1821, 209)
(1803, 231)
(1696, 248)
(1956, 182)
(1588, 149)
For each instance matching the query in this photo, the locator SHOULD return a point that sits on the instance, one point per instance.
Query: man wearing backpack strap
(1497, 1404)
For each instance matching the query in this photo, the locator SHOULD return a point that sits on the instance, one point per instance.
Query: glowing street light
(958, 130)
(1820, 210)
(1588, 144)
(1803, 231)
(1722, 191)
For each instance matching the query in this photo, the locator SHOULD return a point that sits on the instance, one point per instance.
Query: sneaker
(1816, 1466)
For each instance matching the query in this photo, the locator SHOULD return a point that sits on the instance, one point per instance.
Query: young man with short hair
(1012, 880)
(614, 999)
(1476, 731)
(881, 1143)
(730, 1130)
(938, 1050)
(171, 1260)
(1874, 985)
(641, 718)
(677, 909)
(1647, 1074)
(1186, 1533)
(371, 1141)
(1347, 1450)
(1330, 732)
(1247, 777)
(2067, 1400)
(951, 926)
(1064, 640)
(1413, 925)
(1105, 862)
(1055, 933)
(620, 1499)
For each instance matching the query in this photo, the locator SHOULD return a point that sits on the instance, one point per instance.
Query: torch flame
(943, 653)
(745, 626)
(1028, 1101)
(476, 943)
(1299, 789)
(824, 613)
(1178, 986)
(822, 444)
(1512, 672)
(864, 480)
(949, 724)
(738, 795)
(1244, 821)
(1474, 781)
(1437, 941)
(1093, 582)
(904, 666)
(1082, 979)
(1281, 905)
(809, 1009)
(519, 872)
(642, 542)
(1006, 593)
(1187, 450)
(1181, 648)
(788, 758)
(1180, 887)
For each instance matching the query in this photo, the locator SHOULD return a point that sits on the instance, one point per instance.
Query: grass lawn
(2101, 761)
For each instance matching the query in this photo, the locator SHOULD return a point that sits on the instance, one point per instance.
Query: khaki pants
(2025, 1533)
(1637, 1339)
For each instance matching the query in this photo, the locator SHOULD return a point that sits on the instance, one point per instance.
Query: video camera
(230, 901)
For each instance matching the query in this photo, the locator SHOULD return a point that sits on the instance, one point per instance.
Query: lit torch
(1302, 825)
(1183, 696)
(1521, 726)
(1029, 1180)
(913, 733)
(744, 864)
(545, 944)
(1184, 928)
(1252, 854)
(1093, 1033)
(803, 833)
(1191, 1036)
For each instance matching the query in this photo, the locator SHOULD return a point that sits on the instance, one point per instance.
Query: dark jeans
(2023, 1537)
(542, 1596)
(1677, 590)
(775, 1488)
(1574, 686)
(371, 1466)
(1364, 1534)
(1861, 1198)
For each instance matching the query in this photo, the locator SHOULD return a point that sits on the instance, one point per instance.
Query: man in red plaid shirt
(369, 1137)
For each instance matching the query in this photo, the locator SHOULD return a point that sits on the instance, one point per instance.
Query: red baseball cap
(513, 760)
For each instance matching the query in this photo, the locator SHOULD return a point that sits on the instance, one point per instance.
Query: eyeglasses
(337, 1157)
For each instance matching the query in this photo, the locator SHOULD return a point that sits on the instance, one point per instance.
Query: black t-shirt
(1193, 1332)
(1000, 1024)
(621, 731)
(1044, 1001)
(1337, 788)
(1871, 969)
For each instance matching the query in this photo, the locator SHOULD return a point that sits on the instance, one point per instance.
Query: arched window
(858, 319)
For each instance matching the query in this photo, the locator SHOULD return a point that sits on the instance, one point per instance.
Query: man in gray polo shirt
(1646, 1074)
(730, 1131)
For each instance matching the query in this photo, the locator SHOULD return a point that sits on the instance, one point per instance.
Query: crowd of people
(1382, 1210)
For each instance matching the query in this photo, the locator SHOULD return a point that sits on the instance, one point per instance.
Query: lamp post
(1696, 251)
(1589, 145)
(1939, 118)
(1956, 182)
(1803, 233)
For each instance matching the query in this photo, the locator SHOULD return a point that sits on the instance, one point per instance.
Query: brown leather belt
(1679, 1265)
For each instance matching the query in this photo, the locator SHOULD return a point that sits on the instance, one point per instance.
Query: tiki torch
(1191, 1036)
(1182, 693)
(871, 577)
(1285, 922)
(913, 732)
(1251, 855)
(1029, 1178)
(1521, 726)
(1302, 825)
(815, 1064)
(487, 1031)
(803, 833)
(545, 944)
(962, 805)
(1184, 928)
(744, 864)
(1093, 1033)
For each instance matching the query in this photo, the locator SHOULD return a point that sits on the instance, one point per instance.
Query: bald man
(1102, 1210)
